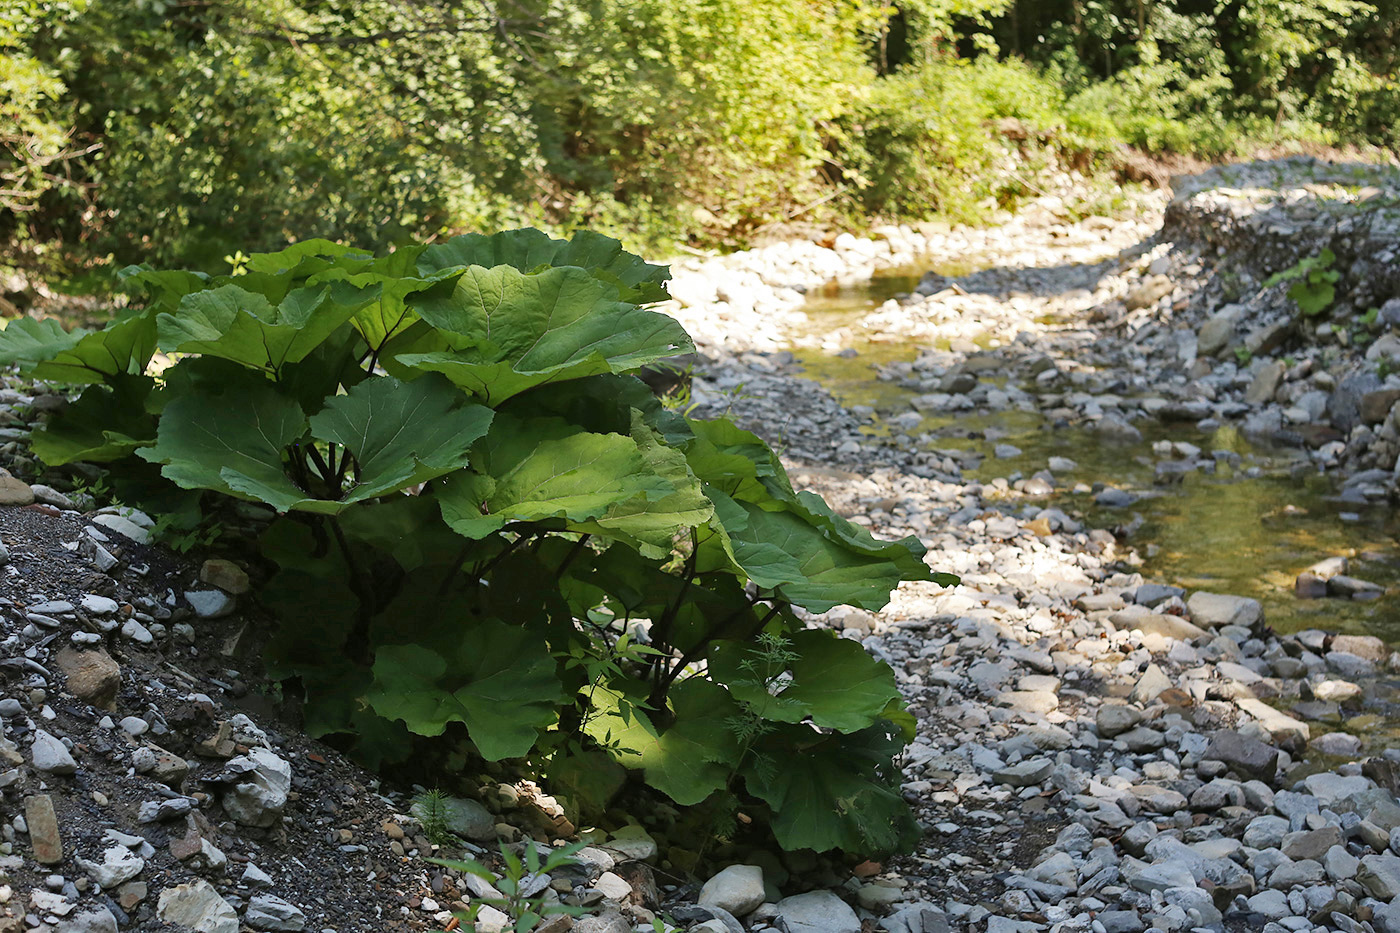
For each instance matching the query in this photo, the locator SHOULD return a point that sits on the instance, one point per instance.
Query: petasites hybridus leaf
(832, 791)
(243, 326)
(102, 425)
(515, 331)
(497, 679)
(122, 348)
(543, 468)
(688, 761)
(233, 444)
(401, 434)
(834, 681)
(527, 250)
(806, 563)
(27, 341)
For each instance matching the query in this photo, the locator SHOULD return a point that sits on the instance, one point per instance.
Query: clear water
(1226, 532)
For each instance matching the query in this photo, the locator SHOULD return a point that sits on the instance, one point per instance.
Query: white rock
(49, 754)
(266, 912)
(198, 906)
(818, 912)
(118, 866)
(737, 889)
(613, 886)
(99, 605)
(259, 798)
(210, 604)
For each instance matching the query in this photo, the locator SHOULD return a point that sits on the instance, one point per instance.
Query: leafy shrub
(488, 528)
(1314, 281)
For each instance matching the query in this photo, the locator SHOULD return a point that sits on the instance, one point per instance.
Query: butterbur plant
(488, 529)
(1314, 281)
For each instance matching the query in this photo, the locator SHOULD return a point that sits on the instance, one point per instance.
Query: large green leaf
(122, 348)
(498, 679)
(834, 681)
(102, 425)
(544, 469)
(832, 791)
(529, 249)
(306, 257)
(233, 445)
(163, 288)
(807, 565)
(243, 326)
(692, 758)
(519, 331)
(401, 434)
(27, 341)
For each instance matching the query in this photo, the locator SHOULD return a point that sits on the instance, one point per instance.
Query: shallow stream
(1247, 529)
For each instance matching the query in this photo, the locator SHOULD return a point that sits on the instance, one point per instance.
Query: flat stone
(1142, 619)
(1212, 610)
(1337, 745)
(817, 912)
(1265, 832)
(1159, 877)
(737, 889)
(267, 912)
(1276, 722)
(210, 604)
(1150, 685)
(118, 866)
(633, 842)
(1292, 874)
(1380, 876)
(14, 491)
(1363, 646)
(613, 886)
(1115, 718)
(1311, 843)
(198, 906)
(1024, 773)
(1271, 904)
(1340, 864)
(123, 526)
(93, 676)
(226, 575)
(1330, 788)
(44, 836)
(100, 920)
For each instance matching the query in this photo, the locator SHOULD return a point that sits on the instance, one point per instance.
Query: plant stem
(574, 552)
(357, 644)
(657, 700)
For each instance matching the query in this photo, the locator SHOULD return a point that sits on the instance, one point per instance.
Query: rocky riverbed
(1104, 744)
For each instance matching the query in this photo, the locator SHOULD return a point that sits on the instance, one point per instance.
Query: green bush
(489, 529)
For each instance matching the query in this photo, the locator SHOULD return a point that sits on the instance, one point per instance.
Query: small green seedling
(1314, 282)
(526, 903)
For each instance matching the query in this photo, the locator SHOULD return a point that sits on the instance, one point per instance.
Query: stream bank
(1128, 719)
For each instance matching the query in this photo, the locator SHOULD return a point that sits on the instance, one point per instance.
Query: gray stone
(1340, 864)
(1246, 756)
(266, 912)
(1212, 610)
(738, 889)
(1292, 874)
(463, 817)
(633, 842)
(1265, 832)
(94, 921)
(198, 906)
(817, 912)
(1271, 904)
(1121, 921)
(118, 866)
(1218, 330)
(1116, 718)
(1311, 843)
(1150, 685)
(1025, 773)
(1157, 877)
(1380, 876)
(1195, 899)
(1142, 739)
(261, 793)
(50, 755)
(1266, 382)
(1337, 745)
(1330, 788)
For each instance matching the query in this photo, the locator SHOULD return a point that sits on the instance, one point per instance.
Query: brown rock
(131, 894)
(226, 575)
(1365, 646)
(14, 491)
(43, 829)
(218, 745)
(1375, 406)
(170, 768)
(93, 676)
(1309, 585)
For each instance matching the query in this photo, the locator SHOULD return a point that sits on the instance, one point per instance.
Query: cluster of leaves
(1314, 281)
(489, 528)
(522, 887)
